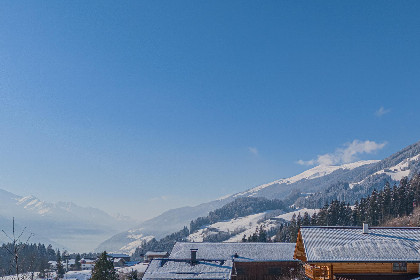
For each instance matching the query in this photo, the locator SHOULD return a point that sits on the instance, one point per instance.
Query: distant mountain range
(63, 224)
(310, 189)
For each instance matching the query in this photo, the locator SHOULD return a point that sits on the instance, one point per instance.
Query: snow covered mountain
(63, 224)
(308, 189)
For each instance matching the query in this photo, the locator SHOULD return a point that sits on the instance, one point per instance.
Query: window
(399, 267)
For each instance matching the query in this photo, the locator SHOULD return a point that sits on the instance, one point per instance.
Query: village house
(87, 263)
(155, 255)
(160, 269)
(118, 262)
(356, 253)
(125, 257)
(240, 261)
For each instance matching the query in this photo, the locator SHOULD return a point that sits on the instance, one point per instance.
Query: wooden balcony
(317, 272)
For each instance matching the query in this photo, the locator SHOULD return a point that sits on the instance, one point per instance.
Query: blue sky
(140, 106)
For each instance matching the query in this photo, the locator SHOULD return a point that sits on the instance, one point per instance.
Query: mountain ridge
(62, 224)
(305, 185)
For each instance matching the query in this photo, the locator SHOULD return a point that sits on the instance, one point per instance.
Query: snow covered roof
(246, 252)
(182, 269)
(118, 255)
(350, 244)
(150, 253)
(140, 267)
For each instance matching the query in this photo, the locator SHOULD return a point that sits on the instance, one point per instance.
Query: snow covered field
(246, 225)
(71, 275)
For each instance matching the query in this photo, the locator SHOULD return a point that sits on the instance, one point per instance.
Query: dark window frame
(399, 267)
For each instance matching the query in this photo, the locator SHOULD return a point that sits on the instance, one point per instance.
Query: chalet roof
(246, 252)
(151, 253)
(118, 255)
(182, 269)
(350, 244)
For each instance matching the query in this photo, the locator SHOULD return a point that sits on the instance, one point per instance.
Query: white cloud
(382, 111)
(253, 150)
(306, 162)
(346, 154)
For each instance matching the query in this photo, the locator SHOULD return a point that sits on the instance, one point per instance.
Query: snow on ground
(267, 225)
(396, 172)
(246, 225)
(130, 248)
(78, 275)
(141, 267)
(71, 275)
(238, 225)
(322, 170)
(270, 223)
(400, 170)
(316, 172)
(27, 276)
(288, 216)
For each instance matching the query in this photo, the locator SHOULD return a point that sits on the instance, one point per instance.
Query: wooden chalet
(355, 253)
(187, 269)
(239, 261)
(250, 261)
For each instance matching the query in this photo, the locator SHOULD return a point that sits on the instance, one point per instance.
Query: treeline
(240, 207)
(31, 258)
(376, 209)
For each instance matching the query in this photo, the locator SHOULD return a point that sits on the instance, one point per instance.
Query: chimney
(193, 256)
(365, 228)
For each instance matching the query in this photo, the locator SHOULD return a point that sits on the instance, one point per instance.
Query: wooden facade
(332, 270)
(263, 270)
(321, 271)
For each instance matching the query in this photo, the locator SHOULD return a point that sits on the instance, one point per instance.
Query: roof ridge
(358, 227)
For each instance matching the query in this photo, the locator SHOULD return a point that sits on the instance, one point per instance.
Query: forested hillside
(240, 207)
(385, 207)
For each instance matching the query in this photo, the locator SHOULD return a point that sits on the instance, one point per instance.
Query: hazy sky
(141, 106)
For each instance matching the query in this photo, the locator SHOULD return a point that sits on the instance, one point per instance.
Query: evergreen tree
(104, 269)
(262, 236)
(51, 255)
(77, 265)
(60, 267)
(386, 201)
(306, 221)
(395, 202)
(314, 219)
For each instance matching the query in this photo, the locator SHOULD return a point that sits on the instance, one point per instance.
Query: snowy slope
(369, 174)
(396, 172)
(234, 226)
(313, 173)
(173, 220)
(247, 225)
